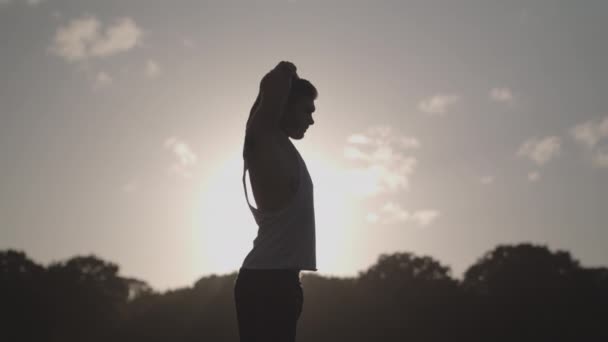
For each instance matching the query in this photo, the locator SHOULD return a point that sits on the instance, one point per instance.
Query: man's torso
(285, 180)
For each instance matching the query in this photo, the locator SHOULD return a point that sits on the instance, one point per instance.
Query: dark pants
(268, 304)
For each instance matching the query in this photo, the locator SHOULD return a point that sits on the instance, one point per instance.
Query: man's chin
(298, 135)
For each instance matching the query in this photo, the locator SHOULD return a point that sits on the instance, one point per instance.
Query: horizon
(449, 272)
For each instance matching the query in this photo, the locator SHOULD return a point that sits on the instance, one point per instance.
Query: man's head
(299, 108)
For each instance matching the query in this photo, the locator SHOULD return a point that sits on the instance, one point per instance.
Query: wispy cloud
(592, 135)
(486, 180)
(425, 217)
(31, 3)
(533, 176)
(188, 43)
(360, 139)
(382, 166)
(600, 157)
(383, 135)
(102, 79)
(152, 69)
(504, 95)
(392, 213)
(84, 38)
(438, 104)
(589, 133)
(186, 158)
(130, 186)
(381, 162)
(540, 150)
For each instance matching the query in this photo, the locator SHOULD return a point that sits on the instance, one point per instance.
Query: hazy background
(442, 128)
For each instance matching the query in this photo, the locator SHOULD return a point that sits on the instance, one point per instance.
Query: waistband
(269, 271)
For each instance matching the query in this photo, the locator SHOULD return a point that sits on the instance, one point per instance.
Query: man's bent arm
(274, 91)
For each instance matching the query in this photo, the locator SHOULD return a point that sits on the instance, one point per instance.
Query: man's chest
(283, 175)
(291, 167)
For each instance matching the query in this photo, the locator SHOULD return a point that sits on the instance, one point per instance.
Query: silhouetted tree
(22, 293)
(526, 293)
(409, 297)
(87, 298)
(137, 288)
(519, 292)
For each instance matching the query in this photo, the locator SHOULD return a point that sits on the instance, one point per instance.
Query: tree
(87, 298)
(409, 297)
(524, 292)
(21, 294)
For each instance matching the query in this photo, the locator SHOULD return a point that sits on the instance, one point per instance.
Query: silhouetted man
(268, 292)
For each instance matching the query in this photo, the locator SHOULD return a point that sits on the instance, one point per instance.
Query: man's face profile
(298, 117)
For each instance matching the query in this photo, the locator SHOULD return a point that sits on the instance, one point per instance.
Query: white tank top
(286, 237)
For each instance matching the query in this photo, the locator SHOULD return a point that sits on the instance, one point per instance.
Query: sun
(224, 226)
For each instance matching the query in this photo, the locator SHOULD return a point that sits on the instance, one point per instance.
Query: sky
(443, 128)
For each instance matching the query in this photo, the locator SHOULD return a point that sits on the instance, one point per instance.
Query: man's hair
(299, 88)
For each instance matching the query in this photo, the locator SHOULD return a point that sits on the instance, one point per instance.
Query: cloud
(487, 180)
(152, 69)
(592, 135)
(84, 38)
(533, 176)
(383, 166)
(381, 136)
(591, 132)
(186, 158)
(71, 41)
(102, 79)
(425, 217)
(600, 158)
(188, 43)
(409, 142)
(504, 95)
(438, 104)
(381, 163)
(540, 151)
(354, 153)
(122, 36)
(392, 213)
(372, 217)
(131, 186)
(28, 2)
(358, 139)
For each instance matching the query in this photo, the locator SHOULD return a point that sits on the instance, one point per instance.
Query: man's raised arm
(274, 91)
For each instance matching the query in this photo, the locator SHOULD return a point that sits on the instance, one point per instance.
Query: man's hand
(277, 82)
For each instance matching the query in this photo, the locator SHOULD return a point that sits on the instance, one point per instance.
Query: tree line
(521, 292)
